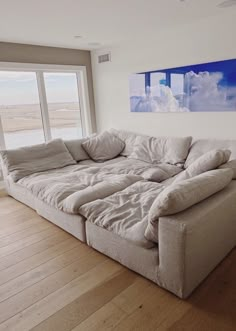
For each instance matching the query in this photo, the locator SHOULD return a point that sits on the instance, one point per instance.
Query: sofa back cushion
(104, 146)
(201, 146)
(129, 139)
(76, 149)
(182, 195)
(173, 150)
(25, 161)
(208, 161)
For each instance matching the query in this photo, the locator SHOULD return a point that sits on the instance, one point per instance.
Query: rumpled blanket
(69, 189)
(125, 213)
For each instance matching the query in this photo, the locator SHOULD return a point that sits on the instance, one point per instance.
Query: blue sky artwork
(208, 87)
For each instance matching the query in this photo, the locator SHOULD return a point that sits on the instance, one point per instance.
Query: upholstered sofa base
(73, 224)
(139, 259)
(191, 243)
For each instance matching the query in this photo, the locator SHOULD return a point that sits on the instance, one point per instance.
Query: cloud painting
(209, 87)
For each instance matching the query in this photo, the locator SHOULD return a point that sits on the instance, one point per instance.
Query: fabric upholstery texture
(129, 138)
(201, 146)
(73, 224)
(96, 192)
(125, 213)
(163, 149)
(230, 165)
(102, 164)
(104, 146)
(182, 195)
(208, 161)
(137, 258)
(76, 150)
(192, 242)
(25, 161)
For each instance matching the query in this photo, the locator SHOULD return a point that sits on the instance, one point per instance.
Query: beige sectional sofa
(187, 245)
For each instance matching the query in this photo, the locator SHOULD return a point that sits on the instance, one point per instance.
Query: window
(63, 105)
(20, 109)
(39, 102)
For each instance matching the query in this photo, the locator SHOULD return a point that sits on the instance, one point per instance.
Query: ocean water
(33, 137)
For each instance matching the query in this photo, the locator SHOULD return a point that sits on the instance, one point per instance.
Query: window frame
(40, 69)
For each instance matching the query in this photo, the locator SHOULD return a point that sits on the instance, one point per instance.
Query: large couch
(163, 207)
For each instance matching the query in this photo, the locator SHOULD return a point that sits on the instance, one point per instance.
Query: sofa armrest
(193, 242)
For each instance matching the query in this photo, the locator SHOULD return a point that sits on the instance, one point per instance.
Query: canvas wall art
(208, 87)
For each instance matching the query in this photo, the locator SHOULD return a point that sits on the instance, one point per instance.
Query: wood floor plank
(133, 297)
(48, 249)
(24, 233)
(119, 307)
(21, 226)
(22, 243)
(16, 218)
(50, 284)
(57, 283)
(151, 313)
(40, 272)
(13, 211)
(103, 319)
(86, 304)
(48, 306)
(10, 206)
(34, 251)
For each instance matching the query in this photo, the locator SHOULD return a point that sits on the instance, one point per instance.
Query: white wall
(207, 40)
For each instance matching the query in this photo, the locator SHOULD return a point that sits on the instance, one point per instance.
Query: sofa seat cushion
(173, 150)
(104, 146)
(125, 213)
(47, 174)
(182, 195)
(25, 161)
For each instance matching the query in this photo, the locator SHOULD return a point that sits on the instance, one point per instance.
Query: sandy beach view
(22, 124)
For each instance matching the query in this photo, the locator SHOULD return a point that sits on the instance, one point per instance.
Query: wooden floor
(50, 281)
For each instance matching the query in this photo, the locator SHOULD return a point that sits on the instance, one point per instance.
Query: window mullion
(44, 106)
(84, 102)
(2, 140)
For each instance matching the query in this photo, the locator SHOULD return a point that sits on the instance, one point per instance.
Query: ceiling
(105, 22)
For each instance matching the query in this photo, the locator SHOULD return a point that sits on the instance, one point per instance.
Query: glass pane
(20, 109)
(157, 79)
(63, 105)
(177, 84)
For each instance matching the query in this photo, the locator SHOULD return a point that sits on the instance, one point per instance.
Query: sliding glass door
(42, 104)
